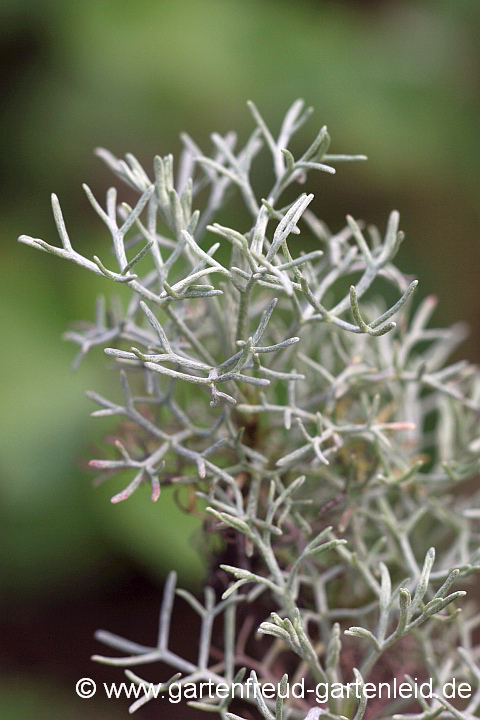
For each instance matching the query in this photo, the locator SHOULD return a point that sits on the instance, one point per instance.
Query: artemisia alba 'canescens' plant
(321, 426)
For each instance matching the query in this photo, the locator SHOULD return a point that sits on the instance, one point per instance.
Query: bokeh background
(398, 80)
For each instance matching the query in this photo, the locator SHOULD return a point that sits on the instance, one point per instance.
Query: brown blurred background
(396, 80)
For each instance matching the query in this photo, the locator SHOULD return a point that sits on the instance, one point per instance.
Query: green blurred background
(399, 81)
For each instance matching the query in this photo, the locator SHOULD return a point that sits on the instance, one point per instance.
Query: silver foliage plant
(331, 441)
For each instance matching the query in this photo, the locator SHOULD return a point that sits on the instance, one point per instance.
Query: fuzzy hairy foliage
(332, 441)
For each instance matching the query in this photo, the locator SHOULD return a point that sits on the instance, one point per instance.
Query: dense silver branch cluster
(276, 381)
